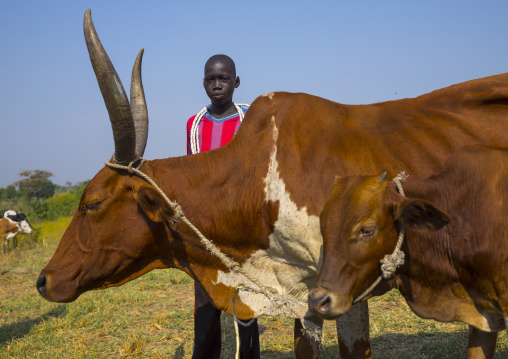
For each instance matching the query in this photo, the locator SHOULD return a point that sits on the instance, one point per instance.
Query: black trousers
(207, 331)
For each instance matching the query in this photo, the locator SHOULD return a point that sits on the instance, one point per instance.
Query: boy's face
(220, 82)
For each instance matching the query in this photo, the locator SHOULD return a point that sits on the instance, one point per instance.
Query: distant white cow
(12, 224)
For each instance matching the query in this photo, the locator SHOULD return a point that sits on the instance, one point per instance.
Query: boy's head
(220, 79)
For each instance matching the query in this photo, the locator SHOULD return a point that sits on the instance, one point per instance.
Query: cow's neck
(243, 205)
(429, 251)
(224, 203)
(213, 195)
(433, 280)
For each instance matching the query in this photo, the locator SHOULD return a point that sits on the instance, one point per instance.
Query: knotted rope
(390, 262)
(275, 300)
(179, 215)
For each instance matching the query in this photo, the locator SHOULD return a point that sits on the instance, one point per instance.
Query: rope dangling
(401, 177)
(260, 288)
(390, 262)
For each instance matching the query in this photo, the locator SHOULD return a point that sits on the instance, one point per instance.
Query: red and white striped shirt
(214, 132)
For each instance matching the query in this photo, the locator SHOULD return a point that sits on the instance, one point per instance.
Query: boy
(213, 127)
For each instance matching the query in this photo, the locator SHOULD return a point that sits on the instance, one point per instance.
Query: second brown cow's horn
(138, 106)
(113, 93)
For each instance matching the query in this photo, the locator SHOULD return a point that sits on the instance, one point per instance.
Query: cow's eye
(90, 206)
(366, 231)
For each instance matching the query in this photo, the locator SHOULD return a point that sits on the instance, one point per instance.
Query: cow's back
(318, 139)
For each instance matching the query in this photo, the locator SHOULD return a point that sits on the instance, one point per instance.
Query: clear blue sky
(53, 117)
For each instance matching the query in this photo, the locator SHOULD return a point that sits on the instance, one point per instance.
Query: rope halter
(276, 300)
(390, 262)
(255, 285)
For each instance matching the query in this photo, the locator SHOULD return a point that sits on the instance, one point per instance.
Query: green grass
(151, 317)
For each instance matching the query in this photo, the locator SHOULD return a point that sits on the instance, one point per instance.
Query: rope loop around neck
(208, 244)
(401, 177)
(390, 262)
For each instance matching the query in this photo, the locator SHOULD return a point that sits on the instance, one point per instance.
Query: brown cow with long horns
(263, 193)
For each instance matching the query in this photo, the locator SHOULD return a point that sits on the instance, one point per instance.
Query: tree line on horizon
(39, 198)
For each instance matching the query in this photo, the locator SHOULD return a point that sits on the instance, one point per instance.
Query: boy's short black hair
(225, 59)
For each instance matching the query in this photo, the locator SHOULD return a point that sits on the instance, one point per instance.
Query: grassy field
(151, 317)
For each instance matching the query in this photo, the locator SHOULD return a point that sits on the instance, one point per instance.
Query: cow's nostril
(41, 285)
(319, 303)
(324, 306)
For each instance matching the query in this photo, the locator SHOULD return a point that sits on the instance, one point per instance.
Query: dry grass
(151, 317)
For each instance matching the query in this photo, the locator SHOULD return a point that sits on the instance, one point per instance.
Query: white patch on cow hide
(24, 227)
(269, 95)
(10, 235)
(290, 265)
(10, 212)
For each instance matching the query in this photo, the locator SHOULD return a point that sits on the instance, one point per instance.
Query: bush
(62, 205)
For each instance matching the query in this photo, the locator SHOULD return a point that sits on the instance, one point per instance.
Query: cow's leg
(481, 345)
(353, 333)
(307, 346)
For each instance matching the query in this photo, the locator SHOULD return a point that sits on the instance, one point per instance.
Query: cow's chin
(59, 290)
(328, 304)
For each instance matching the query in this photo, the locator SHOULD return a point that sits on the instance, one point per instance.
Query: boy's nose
(217, 84)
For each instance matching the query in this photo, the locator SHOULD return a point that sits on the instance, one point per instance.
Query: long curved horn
(113, 93)
(138, 106)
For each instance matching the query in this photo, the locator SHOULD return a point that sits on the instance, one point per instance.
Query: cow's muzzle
(327, 304)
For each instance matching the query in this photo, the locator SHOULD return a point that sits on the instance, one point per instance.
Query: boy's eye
(224, 79)
(208, 80)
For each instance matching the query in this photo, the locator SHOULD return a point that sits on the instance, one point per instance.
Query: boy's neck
(221, 111)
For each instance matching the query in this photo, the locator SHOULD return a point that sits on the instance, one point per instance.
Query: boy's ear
(152, 203)
(421, 214)
(237, 81)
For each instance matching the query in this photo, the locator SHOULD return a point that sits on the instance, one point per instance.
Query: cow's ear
(421, 214)
(152, 203)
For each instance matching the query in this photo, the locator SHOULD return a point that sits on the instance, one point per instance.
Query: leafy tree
(56, 206)
(78, 191)
(36, 184)
(10, 192)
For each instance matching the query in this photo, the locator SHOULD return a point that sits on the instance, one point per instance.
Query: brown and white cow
(455, 244)
(12, 224)
(259, 197)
